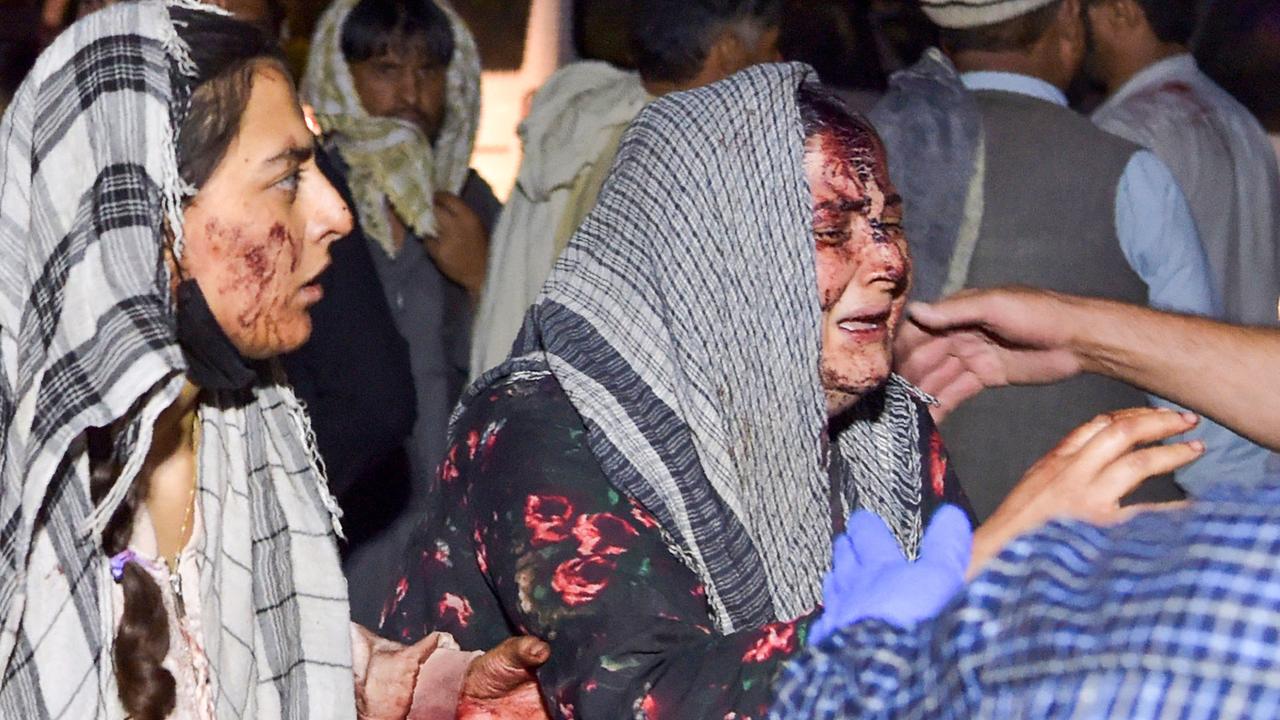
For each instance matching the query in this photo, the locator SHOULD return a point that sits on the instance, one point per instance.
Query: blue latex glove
(871, 578)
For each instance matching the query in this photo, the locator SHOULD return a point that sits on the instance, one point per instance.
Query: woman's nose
(332, 215)
(884, 263)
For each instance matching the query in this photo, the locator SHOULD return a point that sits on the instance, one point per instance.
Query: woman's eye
(831, 237)
(289, 183)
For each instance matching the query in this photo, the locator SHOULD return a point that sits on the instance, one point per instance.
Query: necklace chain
(175, 577)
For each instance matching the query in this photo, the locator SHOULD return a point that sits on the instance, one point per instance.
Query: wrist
(1095, 333)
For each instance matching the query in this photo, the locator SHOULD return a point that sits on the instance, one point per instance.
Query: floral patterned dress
(529, 537)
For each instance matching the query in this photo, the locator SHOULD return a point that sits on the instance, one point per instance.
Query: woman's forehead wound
(852, 153)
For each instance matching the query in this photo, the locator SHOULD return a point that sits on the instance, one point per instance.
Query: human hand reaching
(979, 339)
(460, 247)
(871, 578)
(1088, 473)
(501, 683)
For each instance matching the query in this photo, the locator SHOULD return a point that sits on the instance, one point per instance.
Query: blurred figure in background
(1239, 47)
(395, 84)
(1004, 184)
(1218, 152)
(573, 131)
(902, 32)
(836, 38)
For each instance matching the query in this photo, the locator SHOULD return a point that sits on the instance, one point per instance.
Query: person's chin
(296, 335)
(284, 338)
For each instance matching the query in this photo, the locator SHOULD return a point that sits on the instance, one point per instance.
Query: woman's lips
(866, 327)
(311, 294)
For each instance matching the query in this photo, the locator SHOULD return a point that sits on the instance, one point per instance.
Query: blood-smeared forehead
(853, 150)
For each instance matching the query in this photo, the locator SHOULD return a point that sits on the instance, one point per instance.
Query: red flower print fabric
(778, 638)
(603, 534)
(580, 580)
(539, 542)
(547, 517)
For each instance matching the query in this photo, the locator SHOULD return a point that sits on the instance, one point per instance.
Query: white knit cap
(960, 14)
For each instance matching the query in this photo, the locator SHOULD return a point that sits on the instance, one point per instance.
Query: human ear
(1070, 23)
(1127, 14)
(727, 55)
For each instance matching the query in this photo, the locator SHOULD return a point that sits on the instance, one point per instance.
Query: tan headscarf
(390, 159)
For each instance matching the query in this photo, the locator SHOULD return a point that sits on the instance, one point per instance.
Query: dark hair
(226, 53)
(1172, 21)
(207, 109)
(855, 141)
(671, 38)
(147, 690)
(823, 111)
(835, 38)
(1018, 33)
(375, 26)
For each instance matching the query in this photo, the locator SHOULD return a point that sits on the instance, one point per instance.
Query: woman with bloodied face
(169, 543)
(702, 395)
(655, 479)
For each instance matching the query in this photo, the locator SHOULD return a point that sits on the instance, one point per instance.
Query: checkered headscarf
(682, 322)
(88, 179)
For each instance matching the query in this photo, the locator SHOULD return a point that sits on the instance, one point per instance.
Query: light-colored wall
(505, 95)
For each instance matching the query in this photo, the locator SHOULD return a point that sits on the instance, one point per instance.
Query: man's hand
(386, 673)
(990, 338)
(501, 683)
(461, 246)
(1088, 473)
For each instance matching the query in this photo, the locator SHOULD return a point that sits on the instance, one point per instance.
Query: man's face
(863, 265)
(404, 84)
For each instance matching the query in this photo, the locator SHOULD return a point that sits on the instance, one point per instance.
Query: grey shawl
(932, 133)
(682, 322)
(88, 177)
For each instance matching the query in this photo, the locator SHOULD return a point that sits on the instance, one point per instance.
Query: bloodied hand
(257, 233)
(863, 265)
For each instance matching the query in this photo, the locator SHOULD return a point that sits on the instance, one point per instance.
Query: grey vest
(1048, 222)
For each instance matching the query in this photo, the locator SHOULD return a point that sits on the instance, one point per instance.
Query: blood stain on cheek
(251, 267)
(283, 239)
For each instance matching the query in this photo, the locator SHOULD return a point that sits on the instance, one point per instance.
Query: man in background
(1220, 155)
(1039, 197)
(573, 131)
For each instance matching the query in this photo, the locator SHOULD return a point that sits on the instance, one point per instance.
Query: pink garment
(440, 677)
(187, 660)
(439, 680)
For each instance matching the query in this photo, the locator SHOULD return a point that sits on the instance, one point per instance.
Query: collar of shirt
(1180, 66)
(1014, 83)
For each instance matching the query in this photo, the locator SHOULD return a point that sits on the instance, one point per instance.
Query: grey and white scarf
(88, 179)
(683, 323)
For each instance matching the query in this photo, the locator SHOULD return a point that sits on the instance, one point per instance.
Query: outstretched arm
(1020, 336)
